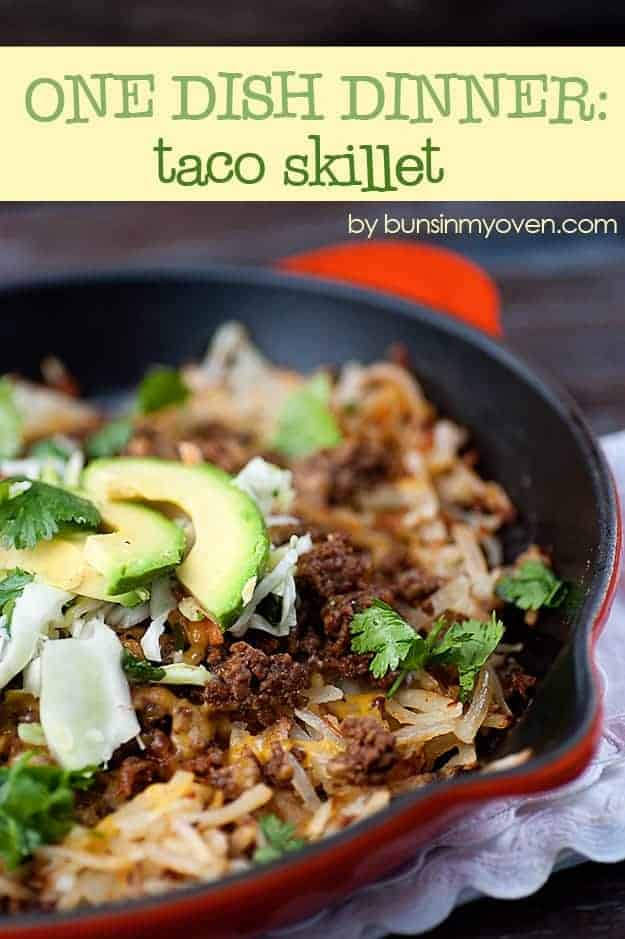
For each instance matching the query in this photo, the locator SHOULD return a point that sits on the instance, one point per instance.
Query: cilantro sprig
(279, 839)
(11, 587)
(306, 423)
(381, 630)
(10, 422)
(38, 511)
(467, 645)
(36, 806)
(109, 440)
(532, 586)
(137, 669)
(50, 448)
(161, 387)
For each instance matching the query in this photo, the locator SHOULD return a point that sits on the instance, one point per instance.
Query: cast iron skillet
(108, 329)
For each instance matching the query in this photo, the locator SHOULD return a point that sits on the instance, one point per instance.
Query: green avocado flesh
(231, 542)
(138, 544)
(142, 545)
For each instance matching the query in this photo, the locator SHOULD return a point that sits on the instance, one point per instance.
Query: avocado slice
(231, 542)
(140, 544)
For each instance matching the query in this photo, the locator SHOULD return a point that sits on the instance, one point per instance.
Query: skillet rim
(541, 773)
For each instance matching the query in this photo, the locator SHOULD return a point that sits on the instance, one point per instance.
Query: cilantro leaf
(417, 655)
(109, 440)
(10, 422)
(279, 837)
(38, 512)
(467, 646)
(306, 423)
(532, 586)
(161, 387)
(36, 806)
(50, 448)
(381, 630)
(11, 587)
(137, 669)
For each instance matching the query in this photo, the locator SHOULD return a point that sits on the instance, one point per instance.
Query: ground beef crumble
(338, 612)
(335, 580)
(414, 586)
(517, 686)
(370, 753)
(224, 447)
(277, 770)
(334, 566)
(255, 687)
(341, 475)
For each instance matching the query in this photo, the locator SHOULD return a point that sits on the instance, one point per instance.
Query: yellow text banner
(308, 123)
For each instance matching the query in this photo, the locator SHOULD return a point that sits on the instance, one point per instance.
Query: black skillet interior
(109, 329)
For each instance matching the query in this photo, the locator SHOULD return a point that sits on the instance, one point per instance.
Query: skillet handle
(423, 273)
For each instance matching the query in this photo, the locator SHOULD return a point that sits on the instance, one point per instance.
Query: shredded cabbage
(270, 487)
(162, 598)
(48, 469)
(114, 614)
(125, 617)
(35, 610)
(31, 677)
(279, 582)
(31, 467)
(150, 641)
(32, 734)
(86, 709)
(162, 602)
(182, 674)
(73, 469)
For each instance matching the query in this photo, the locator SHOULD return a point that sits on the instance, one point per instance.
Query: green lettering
(59, 97)
(186, 82)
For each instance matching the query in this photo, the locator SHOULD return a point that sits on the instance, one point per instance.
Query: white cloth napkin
(508, 849)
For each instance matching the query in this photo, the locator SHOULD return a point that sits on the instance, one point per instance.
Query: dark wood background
(563, 308)
(201, 22)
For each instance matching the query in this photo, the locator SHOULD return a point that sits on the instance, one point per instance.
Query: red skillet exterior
(254, 905)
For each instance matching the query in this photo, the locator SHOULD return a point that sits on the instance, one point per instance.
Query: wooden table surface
(564, 309)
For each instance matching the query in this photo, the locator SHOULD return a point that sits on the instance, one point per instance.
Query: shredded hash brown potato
(292, 723)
